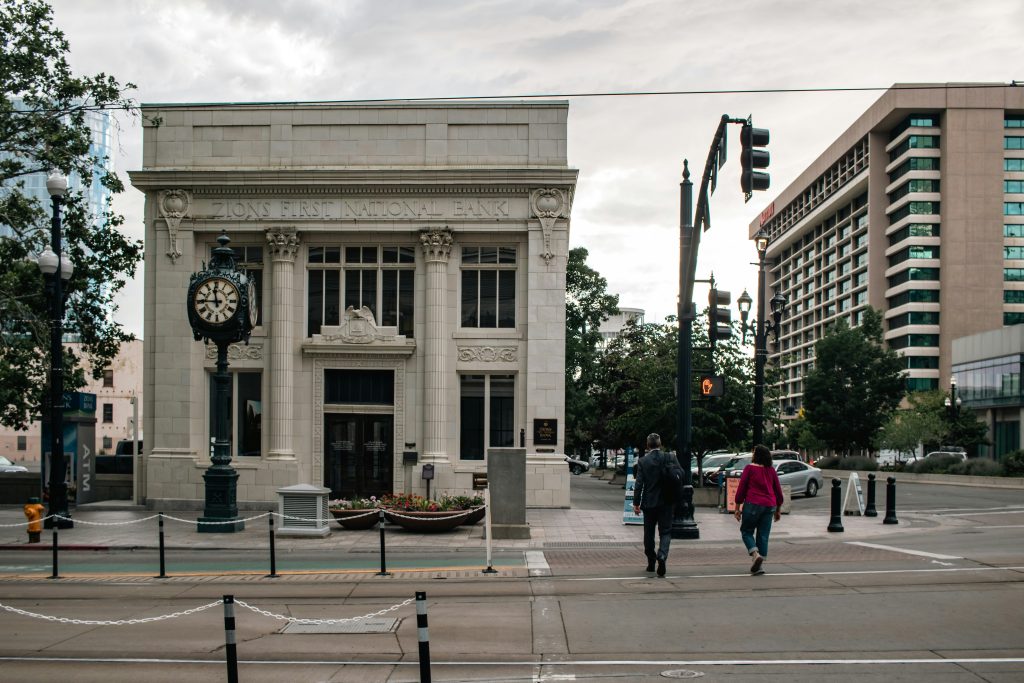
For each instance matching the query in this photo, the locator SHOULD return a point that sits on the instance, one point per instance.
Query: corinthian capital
(282, 243)
(437, 244)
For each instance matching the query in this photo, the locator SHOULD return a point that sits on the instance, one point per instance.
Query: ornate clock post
(221, 309)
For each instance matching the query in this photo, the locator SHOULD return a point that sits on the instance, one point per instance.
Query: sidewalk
(117, 525)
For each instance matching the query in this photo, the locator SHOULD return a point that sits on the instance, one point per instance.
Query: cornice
(425, 180)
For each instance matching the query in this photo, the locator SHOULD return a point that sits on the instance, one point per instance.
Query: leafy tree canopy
(855, 385)
(43, 126)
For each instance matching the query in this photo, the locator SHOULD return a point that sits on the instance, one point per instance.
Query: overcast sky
(629, 150)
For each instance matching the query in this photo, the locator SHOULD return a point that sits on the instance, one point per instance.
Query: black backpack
(672, 480)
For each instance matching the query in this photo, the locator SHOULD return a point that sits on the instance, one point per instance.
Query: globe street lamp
(760, 329)
(57, 269)
(952, 401)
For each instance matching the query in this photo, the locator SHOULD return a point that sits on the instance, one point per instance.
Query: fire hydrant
(34, 514)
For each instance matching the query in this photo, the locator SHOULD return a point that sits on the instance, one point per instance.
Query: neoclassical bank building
(410, 269)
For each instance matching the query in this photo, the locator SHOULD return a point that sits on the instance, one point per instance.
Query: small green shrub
(852, 463)
(978, 467)
(1013, 464)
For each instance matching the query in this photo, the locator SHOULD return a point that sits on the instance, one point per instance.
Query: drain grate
(558, 545)
(364, 626)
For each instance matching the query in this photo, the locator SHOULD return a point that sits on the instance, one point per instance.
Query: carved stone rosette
(487, 354)
(437, 244)
(173, 205)
(548, 205)
(282, 243)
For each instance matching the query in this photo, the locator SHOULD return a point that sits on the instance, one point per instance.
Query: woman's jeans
(756, 519)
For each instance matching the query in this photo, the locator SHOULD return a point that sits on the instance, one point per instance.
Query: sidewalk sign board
(853, 498)
(627, 509)
(732, 484)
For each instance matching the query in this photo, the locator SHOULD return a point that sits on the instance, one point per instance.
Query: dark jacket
(647, 491)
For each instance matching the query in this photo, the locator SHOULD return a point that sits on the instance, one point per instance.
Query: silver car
(8, 466)
(801, 477)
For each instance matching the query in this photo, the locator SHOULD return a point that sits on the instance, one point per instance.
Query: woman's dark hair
(762, 456)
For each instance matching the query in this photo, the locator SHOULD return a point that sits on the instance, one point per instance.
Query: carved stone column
(282, 246)
(437, 247)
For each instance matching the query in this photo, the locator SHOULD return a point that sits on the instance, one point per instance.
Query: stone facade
(343, 210)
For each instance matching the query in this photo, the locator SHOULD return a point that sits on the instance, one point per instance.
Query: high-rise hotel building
(916, 210)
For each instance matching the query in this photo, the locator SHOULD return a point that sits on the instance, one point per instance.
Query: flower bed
(410, 511)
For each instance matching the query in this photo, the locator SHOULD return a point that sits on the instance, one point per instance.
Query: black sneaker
(650, 566)
(759, 572)
(661, 568)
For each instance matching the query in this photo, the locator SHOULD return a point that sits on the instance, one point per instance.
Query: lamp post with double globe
(761, 329)
(57, 269)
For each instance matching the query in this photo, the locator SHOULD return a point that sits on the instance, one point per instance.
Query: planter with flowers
(416, 513)
(357, 513)
(474, 503)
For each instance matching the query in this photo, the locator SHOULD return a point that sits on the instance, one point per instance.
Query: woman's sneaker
(755, 568)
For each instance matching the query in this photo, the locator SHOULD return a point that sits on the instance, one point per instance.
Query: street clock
(221, 301)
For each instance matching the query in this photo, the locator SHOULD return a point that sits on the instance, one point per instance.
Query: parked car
(8, 466)
(577, 466)
(711, 464)
(803, 479)
(731, 468)
(789, 455)
(960, 455)
(121, 462)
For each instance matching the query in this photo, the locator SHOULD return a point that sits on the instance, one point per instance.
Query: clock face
(254, 311)
(216, 301)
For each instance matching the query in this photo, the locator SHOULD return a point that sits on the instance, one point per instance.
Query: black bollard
(230, 651)
(163, 565)
(890, 502)
(869, 509)
(273, 555)
(423, 636)
(383, 558)
(56, 574)
(836, 523)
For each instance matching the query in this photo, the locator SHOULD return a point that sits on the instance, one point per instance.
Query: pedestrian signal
(712, 386)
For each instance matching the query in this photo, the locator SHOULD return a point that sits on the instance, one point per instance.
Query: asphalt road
(938, 601)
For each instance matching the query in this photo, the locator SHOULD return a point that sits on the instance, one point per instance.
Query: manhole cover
(682, 673)
(363, 626)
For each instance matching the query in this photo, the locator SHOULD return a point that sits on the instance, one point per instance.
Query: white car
(801, 477)
(8, 466)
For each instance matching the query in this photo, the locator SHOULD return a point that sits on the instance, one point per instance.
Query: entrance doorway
(358, 454)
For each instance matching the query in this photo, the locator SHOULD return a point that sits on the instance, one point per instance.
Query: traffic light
(719, 316)
(712, 386)
(751, 157)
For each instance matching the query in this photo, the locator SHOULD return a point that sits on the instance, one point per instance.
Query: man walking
(654, 496)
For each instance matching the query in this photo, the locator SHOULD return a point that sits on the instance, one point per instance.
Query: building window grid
(488, 287)
(249, 258)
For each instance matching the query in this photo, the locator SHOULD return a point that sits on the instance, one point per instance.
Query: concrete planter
(427, 522)
(356, 519)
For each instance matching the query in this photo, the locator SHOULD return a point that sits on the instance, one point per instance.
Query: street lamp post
(761, 329)
(953, 401)
(57, 269)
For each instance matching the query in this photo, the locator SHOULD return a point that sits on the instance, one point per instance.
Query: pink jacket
(759, 485)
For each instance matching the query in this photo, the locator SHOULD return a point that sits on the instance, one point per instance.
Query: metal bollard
(423, 636)
(890, 502)
(383, 557)
(869, 509)
(836, 522)
(163, 564)
(487, 531)
(55, 574)
(273, 555)
(230, 651)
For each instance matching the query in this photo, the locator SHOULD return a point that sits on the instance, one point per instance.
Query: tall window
(380, 278)
(108, 378)
(250, 259)
(488, 286)
(245, 414)
(487, 414)
(108, 412)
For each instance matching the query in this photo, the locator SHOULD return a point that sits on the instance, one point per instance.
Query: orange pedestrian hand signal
(712, 385)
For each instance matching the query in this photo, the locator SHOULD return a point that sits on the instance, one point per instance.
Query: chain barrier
(346, 620)
(88, 523)
(221, 523)
(96, 622)
(460, 513)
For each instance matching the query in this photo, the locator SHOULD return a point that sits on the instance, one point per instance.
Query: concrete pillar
(437, 247)
(282, 246)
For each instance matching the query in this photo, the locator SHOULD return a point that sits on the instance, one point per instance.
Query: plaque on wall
(545, 432)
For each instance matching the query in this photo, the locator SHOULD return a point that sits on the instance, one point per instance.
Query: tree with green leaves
(927, 421)
(587, 305)
(856, 384)
(44, 126)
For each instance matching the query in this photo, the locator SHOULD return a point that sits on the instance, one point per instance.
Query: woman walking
(760, 495)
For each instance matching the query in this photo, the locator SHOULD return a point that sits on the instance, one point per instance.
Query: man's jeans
(756, 519)
(661, 517)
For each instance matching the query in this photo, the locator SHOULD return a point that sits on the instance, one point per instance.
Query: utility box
(304, 512)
